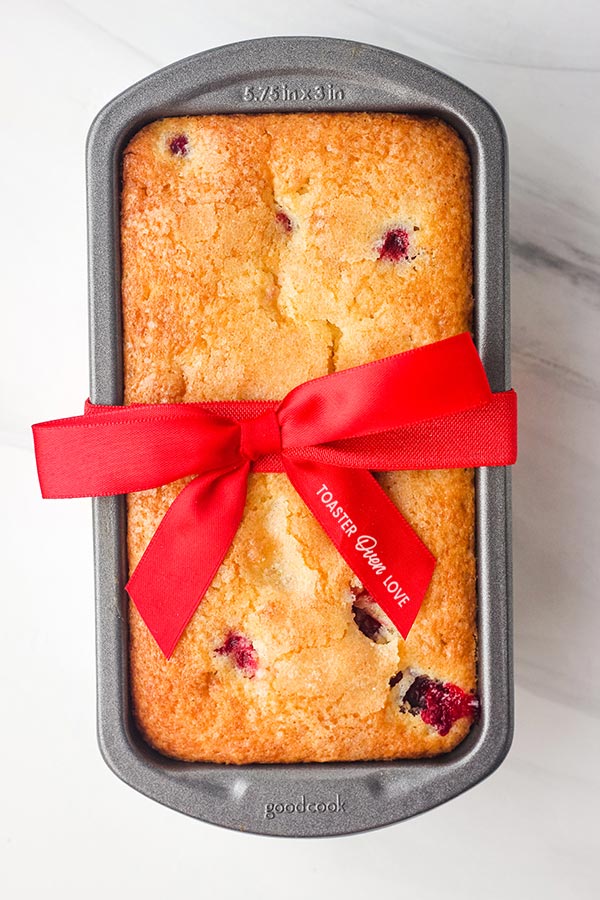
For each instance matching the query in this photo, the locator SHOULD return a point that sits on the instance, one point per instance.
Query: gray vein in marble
(576, 273)
(567, 378)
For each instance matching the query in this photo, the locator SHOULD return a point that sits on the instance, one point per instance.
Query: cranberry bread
(258, 252)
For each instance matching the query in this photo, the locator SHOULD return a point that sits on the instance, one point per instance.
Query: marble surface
(68, 827)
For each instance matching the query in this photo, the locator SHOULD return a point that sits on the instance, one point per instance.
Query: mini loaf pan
(294, 74)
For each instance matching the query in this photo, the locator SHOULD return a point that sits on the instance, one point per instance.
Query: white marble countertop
(69, 828)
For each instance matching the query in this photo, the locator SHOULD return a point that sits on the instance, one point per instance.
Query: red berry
(284, 221)
(179, 145)
(439, 704)
(394, 245)
(367, 623)
(242, 652)
(415, 695)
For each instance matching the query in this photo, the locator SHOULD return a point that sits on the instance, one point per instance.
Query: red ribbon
(430, 408)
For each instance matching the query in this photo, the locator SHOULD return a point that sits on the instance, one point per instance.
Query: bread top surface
(252, 260)
(215, 284)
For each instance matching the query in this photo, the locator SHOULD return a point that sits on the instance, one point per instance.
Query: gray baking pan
(284, 75)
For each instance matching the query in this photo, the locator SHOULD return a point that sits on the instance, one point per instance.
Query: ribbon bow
(429, 408)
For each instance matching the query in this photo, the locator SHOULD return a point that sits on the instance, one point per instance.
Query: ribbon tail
(376, 541)
(185, 552)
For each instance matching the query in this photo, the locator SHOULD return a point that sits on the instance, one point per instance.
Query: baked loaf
(257, 252)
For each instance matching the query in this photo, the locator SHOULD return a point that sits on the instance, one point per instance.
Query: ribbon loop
(260, 436)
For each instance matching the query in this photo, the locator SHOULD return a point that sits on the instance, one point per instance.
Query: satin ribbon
(429, 408)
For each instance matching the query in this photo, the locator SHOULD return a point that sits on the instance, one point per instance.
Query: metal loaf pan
(284, 75)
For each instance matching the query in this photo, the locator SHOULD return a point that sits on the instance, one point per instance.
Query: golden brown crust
(220, 301)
